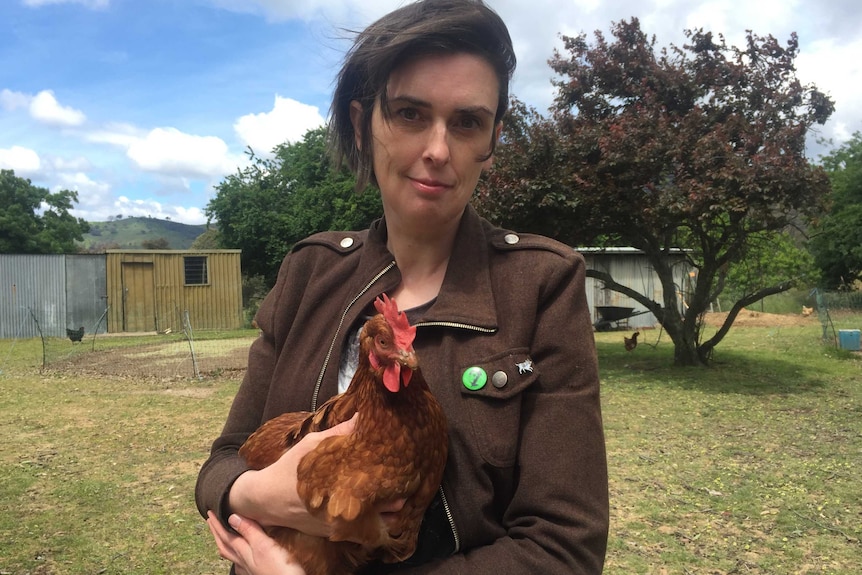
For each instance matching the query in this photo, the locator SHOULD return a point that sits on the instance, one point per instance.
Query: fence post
(96, 329)
(41, 336)
(187, 328)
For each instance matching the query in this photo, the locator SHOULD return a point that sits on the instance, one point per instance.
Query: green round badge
(474, 378)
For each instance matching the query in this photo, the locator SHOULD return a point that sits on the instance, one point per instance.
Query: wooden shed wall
(147, 291)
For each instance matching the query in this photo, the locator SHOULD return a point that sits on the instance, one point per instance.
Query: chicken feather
(397, 451)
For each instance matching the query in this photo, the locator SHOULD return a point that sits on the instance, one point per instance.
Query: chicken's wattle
(394, 377)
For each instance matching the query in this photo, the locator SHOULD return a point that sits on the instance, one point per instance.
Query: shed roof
(173, 251)
(623, 250)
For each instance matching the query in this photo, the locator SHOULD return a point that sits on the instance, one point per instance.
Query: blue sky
(142, 106)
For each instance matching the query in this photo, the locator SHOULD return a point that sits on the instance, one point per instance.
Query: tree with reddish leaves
(700, 147)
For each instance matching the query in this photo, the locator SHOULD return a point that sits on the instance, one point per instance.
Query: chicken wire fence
(829, 303)
(168, 355)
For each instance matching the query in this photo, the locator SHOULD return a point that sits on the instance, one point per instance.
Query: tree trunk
(686, 354)
(684, 335)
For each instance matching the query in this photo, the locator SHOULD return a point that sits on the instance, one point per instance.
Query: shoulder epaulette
(507, 240)
(342, 242)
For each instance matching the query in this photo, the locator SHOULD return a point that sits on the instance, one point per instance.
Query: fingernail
(234, 520)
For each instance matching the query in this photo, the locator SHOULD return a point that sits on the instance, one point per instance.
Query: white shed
(631, 268)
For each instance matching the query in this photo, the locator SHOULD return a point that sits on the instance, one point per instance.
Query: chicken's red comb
(397, 320)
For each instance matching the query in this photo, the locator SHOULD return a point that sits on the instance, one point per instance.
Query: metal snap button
(500, 379)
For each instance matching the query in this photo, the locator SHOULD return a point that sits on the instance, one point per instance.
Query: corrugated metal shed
(630, 267)
(50, 293)
(86, 292)
(149, 290)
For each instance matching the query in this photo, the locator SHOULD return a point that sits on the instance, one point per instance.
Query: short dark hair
(424, 28)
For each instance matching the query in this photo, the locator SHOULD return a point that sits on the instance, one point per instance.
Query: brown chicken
(631, 342)
(397, 451)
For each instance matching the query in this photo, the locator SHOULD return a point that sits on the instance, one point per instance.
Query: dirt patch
(747, 318)
(162, 361)
(192, 392)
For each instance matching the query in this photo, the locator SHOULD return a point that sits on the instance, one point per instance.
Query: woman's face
(440, 123)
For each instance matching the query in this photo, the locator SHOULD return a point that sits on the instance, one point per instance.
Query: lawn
(750, 466)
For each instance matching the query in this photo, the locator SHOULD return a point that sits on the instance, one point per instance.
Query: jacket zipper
(456, 326)
(338, 330)
(445, 501)
(451, 520)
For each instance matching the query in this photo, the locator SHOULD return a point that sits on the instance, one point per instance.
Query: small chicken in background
(397, 451)
(75, 334)
(631, 342)
(806, 311)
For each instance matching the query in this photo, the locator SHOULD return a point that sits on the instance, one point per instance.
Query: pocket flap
(500, 376)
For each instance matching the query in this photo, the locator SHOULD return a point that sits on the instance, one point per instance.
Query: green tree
(699, 147)
(272, 204)
(770, 258)
(209, 240)
(35, 221)
(159, 243)
(837, 239)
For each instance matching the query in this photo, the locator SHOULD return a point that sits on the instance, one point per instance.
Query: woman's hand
(253, 552)
(269, 495)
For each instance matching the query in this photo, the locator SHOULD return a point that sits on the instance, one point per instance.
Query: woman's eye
(409, 114)
(469, 123)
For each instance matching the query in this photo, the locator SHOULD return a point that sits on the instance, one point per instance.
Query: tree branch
(612, 285)
(739, 306)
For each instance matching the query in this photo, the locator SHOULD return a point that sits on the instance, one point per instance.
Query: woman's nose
(437, 144)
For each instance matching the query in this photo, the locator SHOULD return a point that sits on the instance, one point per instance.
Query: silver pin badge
(525, 366)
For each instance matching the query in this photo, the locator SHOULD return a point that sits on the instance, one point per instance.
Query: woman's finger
(223, 538)
(258, 553)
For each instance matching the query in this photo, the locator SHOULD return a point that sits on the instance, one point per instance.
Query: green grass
(748, 467)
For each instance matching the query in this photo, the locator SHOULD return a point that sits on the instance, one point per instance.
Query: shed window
(196, 270)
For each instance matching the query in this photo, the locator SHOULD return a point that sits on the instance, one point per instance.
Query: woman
(417, 111)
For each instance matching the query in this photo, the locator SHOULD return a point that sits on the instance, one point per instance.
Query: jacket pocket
(495, 405)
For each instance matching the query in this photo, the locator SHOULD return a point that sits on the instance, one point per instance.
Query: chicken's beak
(407, 358)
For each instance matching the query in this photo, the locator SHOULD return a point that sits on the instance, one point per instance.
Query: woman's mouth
(429, 186)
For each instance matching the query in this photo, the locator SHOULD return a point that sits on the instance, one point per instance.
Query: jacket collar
(466, 296)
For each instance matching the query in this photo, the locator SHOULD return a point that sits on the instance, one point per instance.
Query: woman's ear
(356, 120)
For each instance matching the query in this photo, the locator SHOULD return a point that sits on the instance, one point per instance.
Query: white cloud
(175, 157)
(45, 108)
(70, 164)
(835, 68)
(116, 134)
(289, 120)
(171, 152)
(90, 192)
(333, 10)
(94, 197)
(189, 215)
(23, 161)
(10, 100)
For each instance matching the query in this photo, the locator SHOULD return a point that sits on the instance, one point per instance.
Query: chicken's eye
(382, 342)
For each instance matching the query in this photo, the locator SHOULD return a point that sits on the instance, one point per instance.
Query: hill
(130, 233)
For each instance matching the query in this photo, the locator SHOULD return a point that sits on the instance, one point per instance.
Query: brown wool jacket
(525, 487)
